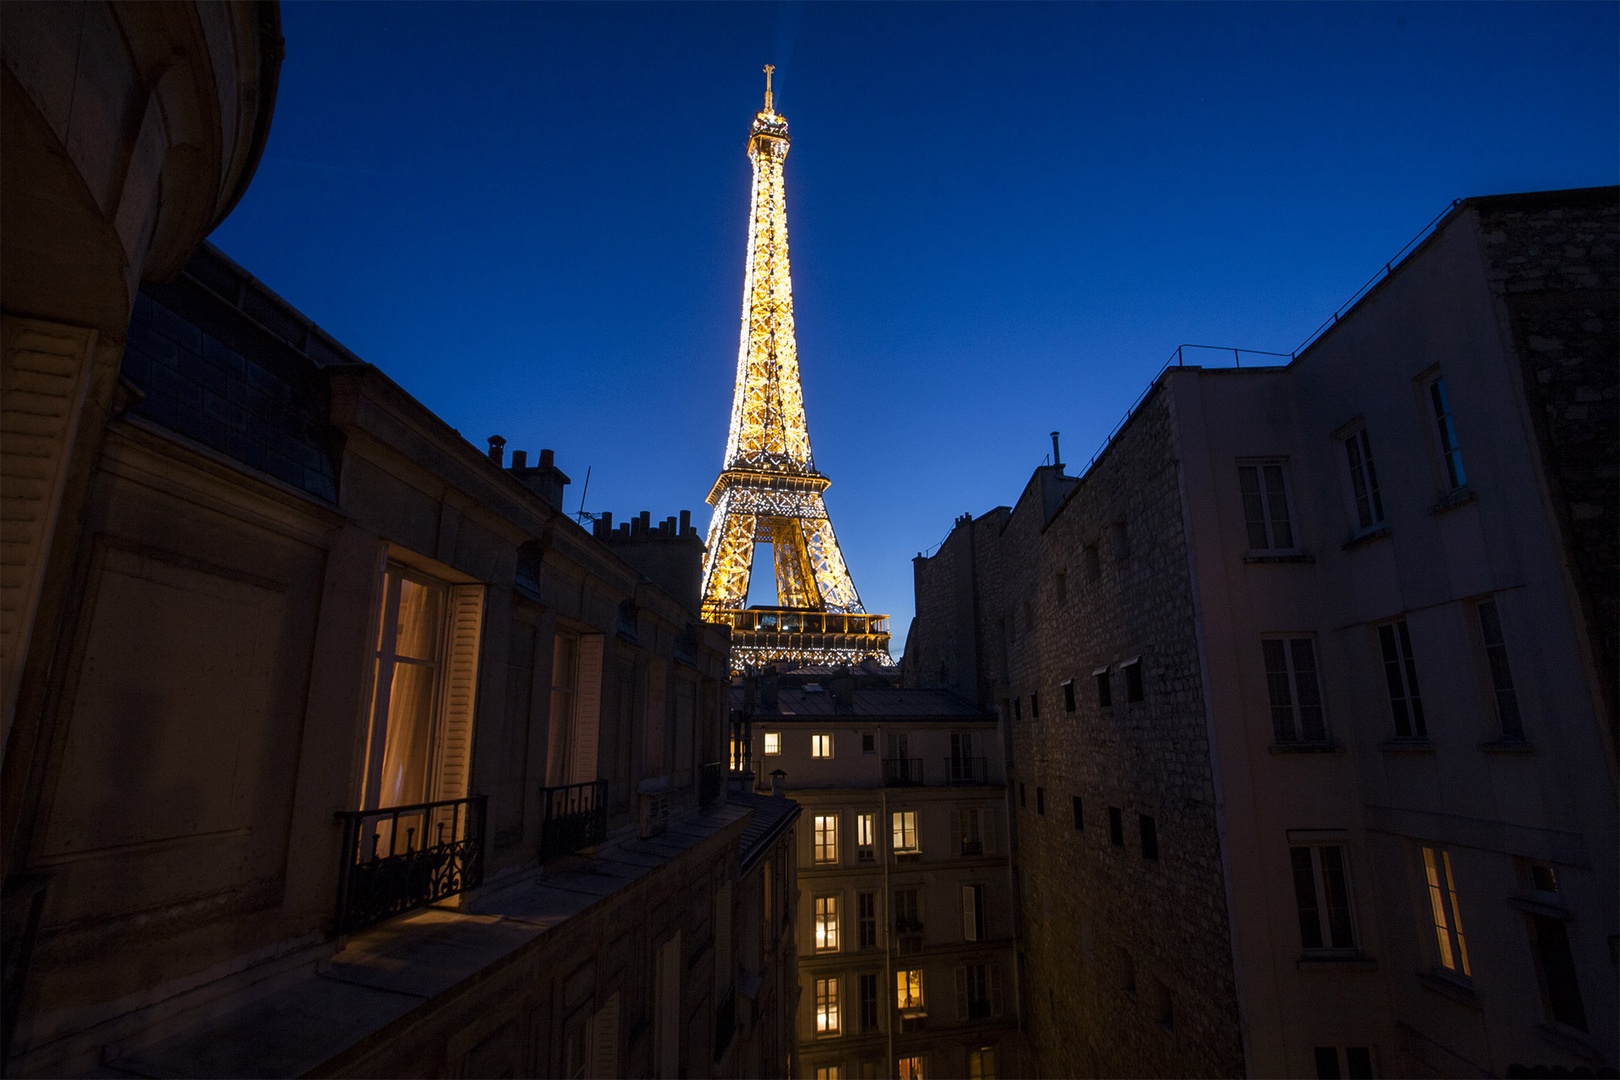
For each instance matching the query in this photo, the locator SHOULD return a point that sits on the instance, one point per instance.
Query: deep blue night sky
(1004, 218)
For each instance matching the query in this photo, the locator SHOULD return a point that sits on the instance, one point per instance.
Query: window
(978, 991)
(1363, 480)
(1451, 948)
(1149, 829)
(865, 838)
(1322, 896)
(1040, 801)
(1446, 435)
(905, 833)
(1093, 564)
(973, 913)
(1508, 719)
(907, 920)
(970, 830)
(1079, 813)
(824, 834)
(963, 766)
(1555, 961)
(424, 667)
(1034, 706)
(1116, 826)
(1018, 710)
(866, 920)
(910, 1068)
(981, 1063)
(1119, 540)
(1132, 670)
(908, 992)
(826, 924)
(1265, 507)
(1061, 582)
(1296, 695)
(1400, 676)
(869, 1002)
(1068, 695)
(1349, 1062)
(821, 746)
(827, 1072)
(829, 1019)
(1105, 694)
(773, 743)
(868, 743)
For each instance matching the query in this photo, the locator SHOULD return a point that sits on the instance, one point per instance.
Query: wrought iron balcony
(902, 771)
(710, 780)
(573, 816)
(399, 858)
(965, 770)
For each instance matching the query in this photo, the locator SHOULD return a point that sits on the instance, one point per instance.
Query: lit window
(773, 742)
(824, 833)
(1450, 945)
(865, 837)
(1349, 1062)
(1296, 696)
(1265, 507)
(1446, 435)
(826, 924)
(905, 832)
(972, 912)
(829, 1020)
(910, 1068)
(1322, 895)
(1400, 676)
(827, 1072)
(821, 746)
(1363, 479)
(1105, 693)
(1132, 670)
(982, 1063)
(1510, 723)
(908, 992)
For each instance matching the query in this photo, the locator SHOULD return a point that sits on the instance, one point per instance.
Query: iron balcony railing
(902, 771)
(965, 770)
(573, 816)
(399, 858)
(710, 780)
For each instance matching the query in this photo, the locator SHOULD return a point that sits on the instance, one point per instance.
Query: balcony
(574, 816)
(902, 772)
(400, 858)
(965, 770)
(710, 780)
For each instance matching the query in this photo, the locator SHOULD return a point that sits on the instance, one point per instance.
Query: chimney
(778, 783)
(548, 460)
(520, 460)
(1057, 457)
(497, 449)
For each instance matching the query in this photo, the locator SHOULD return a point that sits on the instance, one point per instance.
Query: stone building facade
(905, 929)
(1307, 682)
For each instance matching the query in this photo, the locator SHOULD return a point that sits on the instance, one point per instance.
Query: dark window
(869, 1002)
(1105, 695)
(1400, 676)
(1062, 586)
(1322, 895)
(1355, 1064)
(1120, 540)
(1068, 696)
(1133, 680)
(1557, 969)
(1265, 507)
(866, 920)
(868, 743)
(1327, 1063)
(1166, 1002)
(1092, 562)
(1034, 706)
(1364, 480)
(1296, 695)
(1079, 814)
(1150, 836)
(1116, 826)
(1018, 710)
(1040, 800)
(1456, 475)
(1507, 701)
(1021, 793)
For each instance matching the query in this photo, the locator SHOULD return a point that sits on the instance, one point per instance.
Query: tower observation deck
(769, 490)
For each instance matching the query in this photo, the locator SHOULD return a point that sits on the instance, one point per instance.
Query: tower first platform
(769, 490)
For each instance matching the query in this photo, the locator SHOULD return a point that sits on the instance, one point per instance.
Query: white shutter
(587, 711)
(961, 993)
(460, 691)
(605, 1039)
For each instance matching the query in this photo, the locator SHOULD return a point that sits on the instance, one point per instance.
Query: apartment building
(1310, 678)
(905, 925)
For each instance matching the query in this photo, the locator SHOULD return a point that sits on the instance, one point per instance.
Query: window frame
(1443, 436)
(828, 936)
(1315, 911)
(1501, 689)
(1361, 470)
(771, 739)
(866, 919)
(1135, 684)
(1105, 691)
(866, 824)
(1450, 940)
(1401, 681)
(821, 745)
(910, 992)
(904, 824)
(1268, 500)
(973, 917)
(829, 1010)
(1297, 735)
(824, 839)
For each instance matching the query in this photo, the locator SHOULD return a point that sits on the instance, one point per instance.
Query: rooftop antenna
(582, 517)
(769, 70)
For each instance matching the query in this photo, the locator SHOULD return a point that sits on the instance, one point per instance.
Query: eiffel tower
(769, 490)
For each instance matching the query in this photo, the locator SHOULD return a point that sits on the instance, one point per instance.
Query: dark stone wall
(1554, 263)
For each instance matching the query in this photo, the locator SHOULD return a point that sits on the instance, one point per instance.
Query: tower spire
(769, 490)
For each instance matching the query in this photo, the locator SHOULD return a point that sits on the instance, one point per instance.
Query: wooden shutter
(587, 711)
(460, 690)
(605, 1039)
(961, 992)
(995, 989)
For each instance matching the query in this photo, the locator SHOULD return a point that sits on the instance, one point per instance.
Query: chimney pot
(520, 460)
(497, 448)
(547, 459)
(1057, 458)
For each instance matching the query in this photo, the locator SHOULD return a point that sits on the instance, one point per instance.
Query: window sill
(908, 856)
(1407, 746)
(1451, 500)
(1377, 532)
(1279, 557)
(1507, 746)
(1538, 906)
(1448, 987)
(1336, 962)
(1306, 748)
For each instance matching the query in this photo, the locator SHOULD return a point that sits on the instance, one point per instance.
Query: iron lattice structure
(769, 490)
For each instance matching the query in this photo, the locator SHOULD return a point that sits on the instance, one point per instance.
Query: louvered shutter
(460, 690)
(605, 1039)
(587, 711)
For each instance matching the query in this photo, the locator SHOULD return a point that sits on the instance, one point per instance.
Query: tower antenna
(770, 69)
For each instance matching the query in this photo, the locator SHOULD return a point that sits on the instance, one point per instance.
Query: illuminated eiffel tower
(769, 490)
